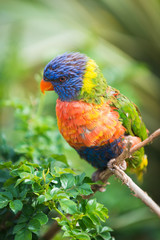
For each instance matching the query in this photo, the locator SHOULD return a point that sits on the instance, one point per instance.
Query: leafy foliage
(34, 182)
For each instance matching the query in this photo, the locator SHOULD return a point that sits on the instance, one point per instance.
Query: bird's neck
(94, 84)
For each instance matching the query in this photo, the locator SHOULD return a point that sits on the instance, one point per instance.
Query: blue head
(65, 73)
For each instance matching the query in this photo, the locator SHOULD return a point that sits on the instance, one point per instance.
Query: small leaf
(91, 205)
(34, 225)
(94, 218)
(54, 191)
(41, 217)
(16, 206)
(87, 221)
(5, 164)
(23, 235)
(105, 235)
(81, 235)
(85, 189)
(22, 219)
(41, 199)
(18, 227)
(79, 178)
(106, 229)
(60, 157)
(67, 180)
(7, 194)
(3, 202)
(24, 168)
(26, 175)
(68, 206)
(28, 210)
(104, 211)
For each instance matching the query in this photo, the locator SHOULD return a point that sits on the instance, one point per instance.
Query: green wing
(132, 121)
(129, 114)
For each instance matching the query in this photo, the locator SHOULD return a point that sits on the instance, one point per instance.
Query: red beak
(46, 86)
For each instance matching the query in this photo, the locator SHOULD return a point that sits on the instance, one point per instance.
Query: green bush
(37, 183)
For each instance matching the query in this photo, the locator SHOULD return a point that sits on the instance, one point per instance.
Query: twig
(138, 192)
(115, 167)
(146, 141)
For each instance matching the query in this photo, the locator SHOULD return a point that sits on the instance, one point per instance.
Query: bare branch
(146, 141)
(116, 167)
(138, 192)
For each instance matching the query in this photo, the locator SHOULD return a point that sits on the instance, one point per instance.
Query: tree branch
(138, 192)
(146, 141)
(116, 167)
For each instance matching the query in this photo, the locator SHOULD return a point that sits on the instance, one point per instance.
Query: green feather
(132, 121)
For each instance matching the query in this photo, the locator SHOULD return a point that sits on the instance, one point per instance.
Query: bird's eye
(62, 79)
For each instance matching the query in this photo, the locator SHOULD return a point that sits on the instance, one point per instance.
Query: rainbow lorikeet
(94, 118)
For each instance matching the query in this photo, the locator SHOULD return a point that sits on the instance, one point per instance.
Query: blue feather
(99, 156)
(72, 67)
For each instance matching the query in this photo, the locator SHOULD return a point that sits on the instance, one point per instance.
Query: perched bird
(94, 118)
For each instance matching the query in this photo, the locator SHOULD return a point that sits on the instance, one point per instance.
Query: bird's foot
(96, 175)
(122, 164)
(102, 175)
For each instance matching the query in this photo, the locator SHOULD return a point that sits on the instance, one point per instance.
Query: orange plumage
(87, 124)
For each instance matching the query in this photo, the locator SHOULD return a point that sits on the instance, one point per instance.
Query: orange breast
(86, 124)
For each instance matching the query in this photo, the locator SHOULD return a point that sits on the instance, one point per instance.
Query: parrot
(93, 117)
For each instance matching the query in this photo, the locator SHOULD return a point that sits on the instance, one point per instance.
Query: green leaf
(7, 194)
(23, 194)
(60, 157)
(28, 210)
(106, 229)
(23, 235)
(79, 178)
(3, 201)
(24, 168)
(104, 211)
(67, 180)
(105, 235)
(41, 217)
(26, 175)
(68, 206)
(5, 164)
(85, 189)
(65, 225)
(54, 191)
(36, 187)
(91, 205)
(68, 234)
(41, 199)
(22, 219)
(34, 225)
(94, 218)
(87, 221)
(55, 165)
(16, 205)
(18, 227)
(81, 235)
(72, 192)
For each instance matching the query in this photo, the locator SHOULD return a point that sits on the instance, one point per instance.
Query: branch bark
(116, 167)
(146, 141)
(138, 192)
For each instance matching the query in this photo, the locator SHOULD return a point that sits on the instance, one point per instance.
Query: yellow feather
(89, 75)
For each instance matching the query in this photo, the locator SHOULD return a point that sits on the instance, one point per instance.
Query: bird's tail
(138, 162)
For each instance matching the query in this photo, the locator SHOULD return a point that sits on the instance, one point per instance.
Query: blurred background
(123, 36)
